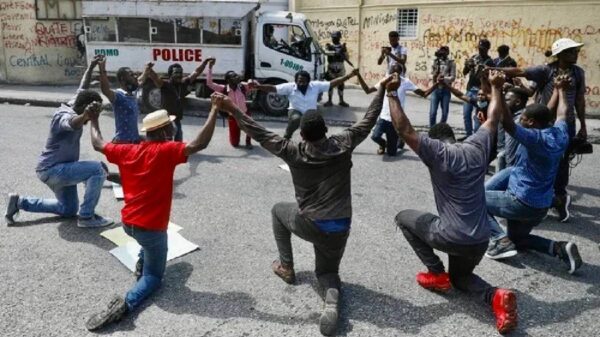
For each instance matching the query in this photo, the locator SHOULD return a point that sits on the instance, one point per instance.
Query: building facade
(527, 27)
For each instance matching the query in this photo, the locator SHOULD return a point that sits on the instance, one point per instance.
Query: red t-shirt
(147, 175)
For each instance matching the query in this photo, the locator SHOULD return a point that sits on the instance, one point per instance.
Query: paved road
(54, 275)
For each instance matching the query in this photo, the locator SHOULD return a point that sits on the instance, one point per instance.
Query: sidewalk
(417, 108)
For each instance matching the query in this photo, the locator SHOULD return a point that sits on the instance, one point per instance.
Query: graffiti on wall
(31, 44)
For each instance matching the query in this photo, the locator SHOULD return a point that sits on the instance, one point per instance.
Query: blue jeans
(521, 218)
(62, 180)
(470, 120)
(439, 96)
(154, 255)
(390, 143)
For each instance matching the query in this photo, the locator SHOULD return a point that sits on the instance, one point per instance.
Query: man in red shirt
(147, 170)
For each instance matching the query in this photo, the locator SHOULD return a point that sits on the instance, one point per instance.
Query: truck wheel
(151, 99)
(273, 104)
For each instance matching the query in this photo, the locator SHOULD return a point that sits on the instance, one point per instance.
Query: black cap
(337, 34)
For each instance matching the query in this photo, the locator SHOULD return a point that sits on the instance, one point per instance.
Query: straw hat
(562, 44)
(156, 120)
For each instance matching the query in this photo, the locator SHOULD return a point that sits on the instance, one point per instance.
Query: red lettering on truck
(177, 54)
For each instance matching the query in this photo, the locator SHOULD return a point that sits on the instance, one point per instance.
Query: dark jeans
(562, 176)
(390, 144)
(179, 132)
(329, 248)
(421, 230)
(294, 117)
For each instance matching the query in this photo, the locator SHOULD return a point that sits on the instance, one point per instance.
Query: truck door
(285, 50)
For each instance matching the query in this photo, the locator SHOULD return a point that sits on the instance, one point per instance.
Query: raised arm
(334, 83)
(365, 87)
(198, 71)
(382, 56)
(562, 83)
(265, 87)
(511, 72)
(580, 109)
(104, 84)
(97, 141)
(205, 135)
(457, 93)
(399, 119)
(150, 73)
(209, 79)
(497, 108)
(87, 76)
(271, 141)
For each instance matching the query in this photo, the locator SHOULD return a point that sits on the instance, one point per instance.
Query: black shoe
(561, 205)
(569, 254)
(500, 249)
(344, 104)
(12, 208)
(113, 313)
(139, 269)
(329, 315)
(328, 104)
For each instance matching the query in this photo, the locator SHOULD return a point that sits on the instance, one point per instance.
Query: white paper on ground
(178, 246)
(284, 167)
(118, 191)
(120, 238)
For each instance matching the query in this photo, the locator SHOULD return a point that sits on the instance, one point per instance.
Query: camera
(580, 146)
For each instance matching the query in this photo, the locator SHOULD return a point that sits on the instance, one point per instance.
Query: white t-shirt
(397, 51)
(299, 101)
(405, 85)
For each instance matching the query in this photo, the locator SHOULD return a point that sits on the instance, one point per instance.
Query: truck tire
(151, 98)
(273, 104)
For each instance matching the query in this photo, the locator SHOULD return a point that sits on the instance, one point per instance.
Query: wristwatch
(392, 93)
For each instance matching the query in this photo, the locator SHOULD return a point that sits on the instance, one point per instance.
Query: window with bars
(58, 9)
(407, 22)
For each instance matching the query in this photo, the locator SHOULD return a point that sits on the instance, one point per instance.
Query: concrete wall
(37, 51)
(528, 27)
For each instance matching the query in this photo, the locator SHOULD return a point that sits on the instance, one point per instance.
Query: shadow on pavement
(358, 303)
(69, 231)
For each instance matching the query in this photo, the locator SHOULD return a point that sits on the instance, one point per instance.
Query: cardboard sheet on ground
(284, 167)
(178, 246)
(118, 191)
(120, 238)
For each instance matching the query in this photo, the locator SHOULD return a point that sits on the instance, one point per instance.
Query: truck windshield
(315, 40)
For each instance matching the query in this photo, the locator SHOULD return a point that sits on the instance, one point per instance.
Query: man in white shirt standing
(394, 54)
(392, 142)
(302, 95)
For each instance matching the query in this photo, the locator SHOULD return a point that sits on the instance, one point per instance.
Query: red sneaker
(435, 282)
(504, 305)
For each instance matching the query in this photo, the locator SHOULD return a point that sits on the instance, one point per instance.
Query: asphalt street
(54, 275)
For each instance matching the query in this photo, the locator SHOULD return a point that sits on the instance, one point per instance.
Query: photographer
(395, 53)
(473, 68)
(443, 72)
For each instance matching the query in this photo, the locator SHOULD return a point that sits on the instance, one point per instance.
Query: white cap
(562, 44)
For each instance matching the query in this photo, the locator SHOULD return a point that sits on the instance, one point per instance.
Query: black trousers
(420, 230)
(329, 248)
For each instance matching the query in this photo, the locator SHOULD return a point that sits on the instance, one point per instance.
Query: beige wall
(528, 27)
(37, 51)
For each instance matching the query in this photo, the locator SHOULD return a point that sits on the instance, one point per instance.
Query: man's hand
(497, 78)
(440, 79)
(562, 82)
(211, 62)
(95, 61)
(393, 84)
(92, 110)
(149, 66)
(252, 84)
(102, 63)
(223, 102)
(385, 51)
